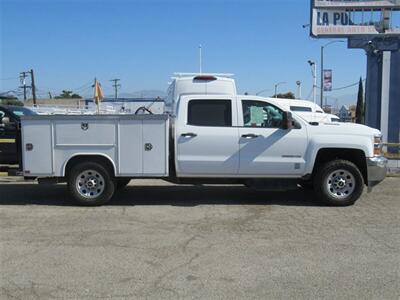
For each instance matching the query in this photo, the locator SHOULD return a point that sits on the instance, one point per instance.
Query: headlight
(378, 146)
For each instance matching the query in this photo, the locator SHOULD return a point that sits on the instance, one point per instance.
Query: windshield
(21, 111)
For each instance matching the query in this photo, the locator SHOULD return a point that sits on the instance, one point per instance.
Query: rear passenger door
(206, 140)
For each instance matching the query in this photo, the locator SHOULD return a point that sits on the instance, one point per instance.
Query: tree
(65, 94)
(76, 96)
(14, 102)
(360, 104)
(288, 95)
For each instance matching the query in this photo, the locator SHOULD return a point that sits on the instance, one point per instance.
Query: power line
(84, 86)
(347, 86)
(9, 78)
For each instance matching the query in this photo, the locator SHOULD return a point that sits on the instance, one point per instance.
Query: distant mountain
(142, 94)
(135, 94)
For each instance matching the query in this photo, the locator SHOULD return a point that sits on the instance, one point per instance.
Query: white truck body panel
(122, 139)
(186, 84)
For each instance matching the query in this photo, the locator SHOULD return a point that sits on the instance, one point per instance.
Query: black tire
(338, 183)
(104, 181)
(122, 183)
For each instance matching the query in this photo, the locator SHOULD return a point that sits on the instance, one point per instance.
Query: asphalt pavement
(160, 241)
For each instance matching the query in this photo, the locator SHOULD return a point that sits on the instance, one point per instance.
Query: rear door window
(216, 113)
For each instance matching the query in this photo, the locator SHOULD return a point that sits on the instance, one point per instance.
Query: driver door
(266, 149)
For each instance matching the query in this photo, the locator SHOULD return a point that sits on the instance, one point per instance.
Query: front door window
(261, 114)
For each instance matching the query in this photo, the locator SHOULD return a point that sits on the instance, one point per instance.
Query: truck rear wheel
(338, 183)
(91, 184)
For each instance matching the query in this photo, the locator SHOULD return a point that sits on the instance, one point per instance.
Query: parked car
(10, 117)
(307, 110)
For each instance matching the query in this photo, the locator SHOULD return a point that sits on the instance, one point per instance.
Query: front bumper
(377, 169)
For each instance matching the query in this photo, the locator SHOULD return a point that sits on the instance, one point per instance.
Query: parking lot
(160, 241)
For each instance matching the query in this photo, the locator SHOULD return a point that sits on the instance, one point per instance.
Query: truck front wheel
(338, 183)
(90, 184)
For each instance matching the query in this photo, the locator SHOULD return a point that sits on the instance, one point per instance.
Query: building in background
(344, 114)
(347, 114)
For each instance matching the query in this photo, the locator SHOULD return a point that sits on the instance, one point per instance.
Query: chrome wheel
(340, 184)
(90, 184)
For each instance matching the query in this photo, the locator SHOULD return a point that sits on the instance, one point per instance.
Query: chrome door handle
(189, 134)
(250, 136)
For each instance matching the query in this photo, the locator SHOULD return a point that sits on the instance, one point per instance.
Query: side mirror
(287, 122)
(5, 120)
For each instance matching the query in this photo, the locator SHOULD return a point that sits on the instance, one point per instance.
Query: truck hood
(345, 129)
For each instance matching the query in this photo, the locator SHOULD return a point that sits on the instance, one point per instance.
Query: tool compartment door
(37, 150)
(130, 148)
(155, 147)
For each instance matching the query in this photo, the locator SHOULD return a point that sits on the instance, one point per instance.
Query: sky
(69, 43)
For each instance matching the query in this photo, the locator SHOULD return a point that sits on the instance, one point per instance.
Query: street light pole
(322, 69)
(315, 84)
(313, 66)
(298, 82)
(322, 76)
(276, 88)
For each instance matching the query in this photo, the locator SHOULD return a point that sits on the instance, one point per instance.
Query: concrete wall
(394, 104)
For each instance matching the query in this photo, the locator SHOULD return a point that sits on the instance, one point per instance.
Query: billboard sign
(327, 80)
(357, 4)
(344, 18)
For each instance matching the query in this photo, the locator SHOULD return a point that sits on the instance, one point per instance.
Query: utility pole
(23, 82)
(33, 88)
(116, 86)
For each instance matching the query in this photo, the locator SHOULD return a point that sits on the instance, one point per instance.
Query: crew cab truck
(205, 137)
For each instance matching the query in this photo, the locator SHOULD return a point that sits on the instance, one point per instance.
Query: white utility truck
(208, 134)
